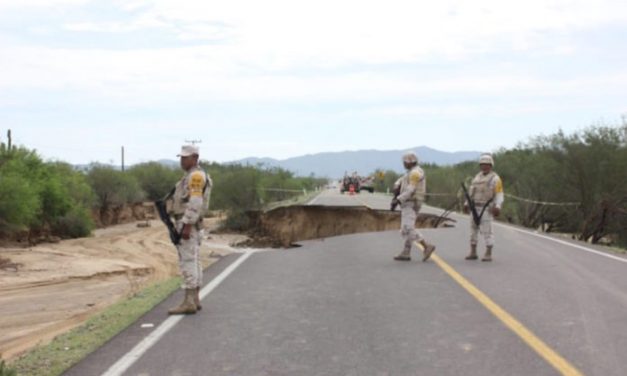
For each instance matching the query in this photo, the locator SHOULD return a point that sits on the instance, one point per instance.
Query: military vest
(181, 193)
(421, 184)
(481, 188)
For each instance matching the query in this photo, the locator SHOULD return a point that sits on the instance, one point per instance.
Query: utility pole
(9, 140)
(122, 158)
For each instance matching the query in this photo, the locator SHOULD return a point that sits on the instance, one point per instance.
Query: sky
(80, 79)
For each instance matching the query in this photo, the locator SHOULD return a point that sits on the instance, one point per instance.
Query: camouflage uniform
(191, 200)
(190, 203)
(413, 189)
(485, 189)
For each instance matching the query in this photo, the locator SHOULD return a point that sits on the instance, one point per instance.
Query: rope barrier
(543, 202)
(515, 198)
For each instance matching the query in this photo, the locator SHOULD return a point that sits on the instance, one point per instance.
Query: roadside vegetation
(42, 197)
(54, 199)
(5, 370)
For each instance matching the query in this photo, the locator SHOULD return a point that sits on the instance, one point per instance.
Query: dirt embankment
(124, 214)
(48, 289)
(284, 226)
(128, 213)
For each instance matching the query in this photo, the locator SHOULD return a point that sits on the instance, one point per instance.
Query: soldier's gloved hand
(466, 209)
(186, 231)
(394, 203)
(496, 211)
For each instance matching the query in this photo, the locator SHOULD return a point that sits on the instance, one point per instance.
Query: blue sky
(79, 79)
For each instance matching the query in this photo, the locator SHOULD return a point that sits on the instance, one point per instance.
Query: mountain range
(335, 164)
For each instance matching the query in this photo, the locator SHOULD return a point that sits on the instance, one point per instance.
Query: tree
(155, 179)
(113, 188)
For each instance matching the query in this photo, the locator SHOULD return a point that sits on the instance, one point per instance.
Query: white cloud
(26, 4)
(201, 73)
(281, 34)
(283, 51)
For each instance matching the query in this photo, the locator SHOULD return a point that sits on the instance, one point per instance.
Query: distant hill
(335, 164)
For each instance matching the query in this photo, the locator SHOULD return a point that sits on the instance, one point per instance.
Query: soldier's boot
(428, 249)
(488, 254)
(404, 255)
(473, 252)
(197, 299)
(188, 306)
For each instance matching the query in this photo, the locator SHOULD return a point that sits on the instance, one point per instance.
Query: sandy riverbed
(58, 286)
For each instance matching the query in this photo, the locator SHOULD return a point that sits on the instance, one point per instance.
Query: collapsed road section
(284, 226)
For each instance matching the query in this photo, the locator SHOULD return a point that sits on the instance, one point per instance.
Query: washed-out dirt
(282, 227)
(48, 289)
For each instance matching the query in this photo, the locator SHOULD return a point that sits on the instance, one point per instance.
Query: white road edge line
(313, 200)
(590, 250)
(124, 363)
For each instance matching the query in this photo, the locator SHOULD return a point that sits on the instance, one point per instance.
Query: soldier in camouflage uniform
(413, 188)
(486, 189)
(190, 203)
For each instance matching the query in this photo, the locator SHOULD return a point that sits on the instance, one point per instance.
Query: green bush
(155, 179)
(20, 204)
(37, 195)
(6, 371)
(75, 224)
(112, 187)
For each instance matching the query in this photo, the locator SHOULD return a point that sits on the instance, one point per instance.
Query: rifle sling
(473, 208)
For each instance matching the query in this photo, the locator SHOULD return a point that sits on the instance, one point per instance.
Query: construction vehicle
(351, 184)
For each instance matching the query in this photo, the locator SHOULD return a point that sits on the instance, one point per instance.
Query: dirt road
(59, 286)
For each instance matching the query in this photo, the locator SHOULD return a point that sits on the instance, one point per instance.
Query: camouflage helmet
(410, 157)
(486, 159)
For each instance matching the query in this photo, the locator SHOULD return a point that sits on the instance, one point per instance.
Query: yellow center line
(551, 356)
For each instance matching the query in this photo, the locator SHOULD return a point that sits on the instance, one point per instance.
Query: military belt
(198, 224)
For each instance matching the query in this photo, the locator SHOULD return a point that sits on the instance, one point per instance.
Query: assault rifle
(175, 236)
(394, 204)
(476, 217)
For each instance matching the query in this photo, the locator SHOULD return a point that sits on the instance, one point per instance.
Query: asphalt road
(342, 306)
